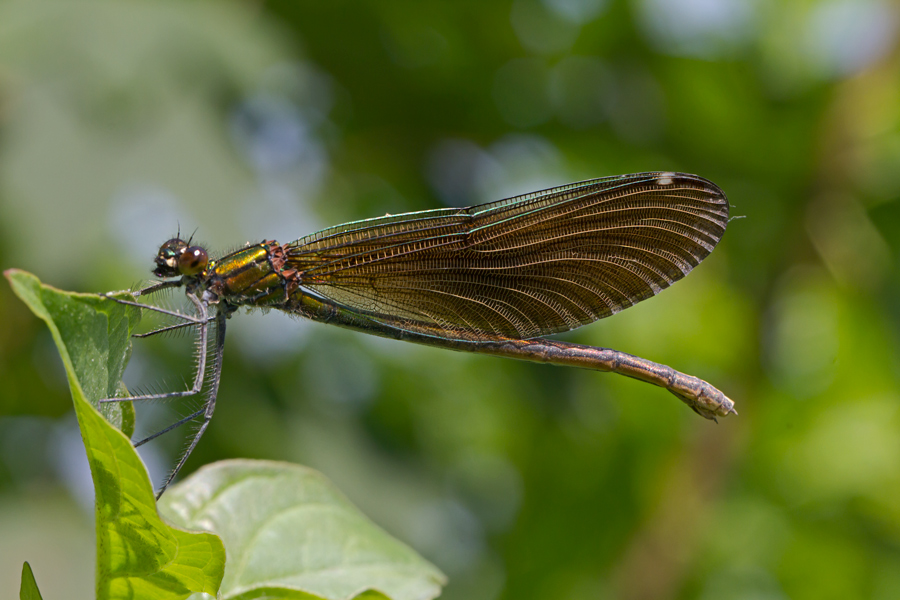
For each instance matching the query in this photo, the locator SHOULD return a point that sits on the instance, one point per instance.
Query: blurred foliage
(28, 589)
(122, 121)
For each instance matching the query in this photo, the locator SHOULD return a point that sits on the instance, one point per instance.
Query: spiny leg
(191, 321)
(169, 328)
(178, 423)
(201, 322)
(208, 407)
(157, 287)
(150, 307)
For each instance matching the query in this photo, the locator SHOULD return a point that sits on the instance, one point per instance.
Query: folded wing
(523, 267)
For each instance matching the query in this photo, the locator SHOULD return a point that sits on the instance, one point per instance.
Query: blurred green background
(121, 121)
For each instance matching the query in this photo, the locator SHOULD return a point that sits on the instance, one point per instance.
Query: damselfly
(491, 279)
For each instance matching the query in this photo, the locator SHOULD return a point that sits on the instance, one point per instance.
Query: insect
(492, 279)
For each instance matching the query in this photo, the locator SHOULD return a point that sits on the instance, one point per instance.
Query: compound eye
(193, 260)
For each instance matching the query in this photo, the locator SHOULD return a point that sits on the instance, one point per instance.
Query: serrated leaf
(29, 589)
(138, 555)
(290, 533)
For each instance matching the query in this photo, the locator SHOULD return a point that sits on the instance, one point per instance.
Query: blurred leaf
(287, 594)
(290, 533)
(138, 555)
(29, 589)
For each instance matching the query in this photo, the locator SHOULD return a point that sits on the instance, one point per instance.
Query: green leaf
(267, 593)
(29, 589)
(290, 533)
(97, 345)
(138, 555)
(371, 595)
(278, 593)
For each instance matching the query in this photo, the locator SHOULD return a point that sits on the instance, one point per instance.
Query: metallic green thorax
(259, 276)
(253, 276)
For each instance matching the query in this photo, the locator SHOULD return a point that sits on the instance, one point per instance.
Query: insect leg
(202, 323)
(208, 407)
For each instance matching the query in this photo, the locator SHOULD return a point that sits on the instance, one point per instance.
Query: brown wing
(524, 267)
